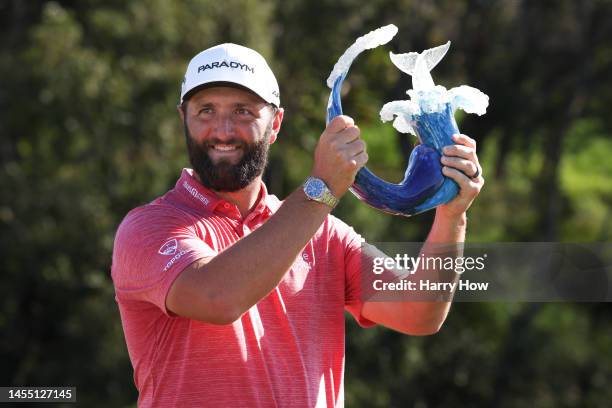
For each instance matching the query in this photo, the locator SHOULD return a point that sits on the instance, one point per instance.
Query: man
(231, 298)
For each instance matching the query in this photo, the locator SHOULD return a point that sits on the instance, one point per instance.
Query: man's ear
(276, 124)
(181, 112)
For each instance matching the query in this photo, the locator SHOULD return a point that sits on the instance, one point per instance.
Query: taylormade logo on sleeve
(175, 258)
(169, 248)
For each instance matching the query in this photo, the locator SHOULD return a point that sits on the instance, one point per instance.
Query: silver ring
(475, 176)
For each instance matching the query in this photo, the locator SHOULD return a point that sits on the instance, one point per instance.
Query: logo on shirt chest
(302, 263)
(296, 277)
(169, 248)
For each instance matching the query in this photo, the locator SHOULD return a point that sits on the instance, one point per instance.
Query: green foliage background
(88, 130)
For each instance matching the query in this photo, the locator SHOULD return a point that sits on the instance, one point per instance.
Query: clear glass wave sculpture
(428, 114)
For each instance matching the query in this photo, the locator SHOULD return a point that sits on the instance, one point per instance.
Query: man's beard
(223, 175)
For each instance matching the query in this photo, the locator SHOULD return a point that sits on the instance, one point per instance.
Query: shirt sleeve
(152, 247)
(355, 272)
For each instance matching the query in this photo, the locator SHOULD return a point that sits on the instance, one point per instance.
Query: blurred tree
(88, 130)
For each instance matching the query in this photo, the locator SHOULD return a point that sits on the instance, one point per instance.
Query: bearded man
(228, 296)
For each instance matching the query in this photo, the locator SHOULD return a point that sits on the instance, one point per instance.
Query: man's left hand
(461, 164)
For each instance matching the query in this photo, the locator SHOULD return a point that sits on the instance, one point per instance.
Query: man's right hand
(340, 153)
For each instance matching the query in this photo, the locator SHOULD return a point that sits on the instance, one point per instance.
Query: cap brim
(215, 84)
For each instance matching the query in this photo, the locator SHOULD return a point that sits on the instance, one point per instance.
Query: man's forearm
(223, 288)
(416, 317)
(447, 229)
(445, 239)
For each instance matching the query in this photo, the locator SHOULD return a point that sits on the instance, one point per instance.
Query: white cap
(232, 63)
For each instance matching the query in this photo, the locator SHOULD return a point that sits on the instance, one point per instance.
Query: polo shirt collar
(202, 197)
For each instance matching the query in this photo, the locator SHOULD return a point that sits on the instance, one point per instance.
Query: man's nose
(224, 126)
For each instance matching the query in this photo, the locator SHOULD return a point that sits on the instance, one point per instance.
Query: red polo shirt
(286, 351)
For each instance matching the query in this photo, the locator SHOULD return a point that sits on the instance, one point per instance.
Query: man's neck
(244, 199)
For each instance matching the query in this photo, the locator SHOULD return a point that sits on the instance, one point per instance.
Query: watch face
(314, 188)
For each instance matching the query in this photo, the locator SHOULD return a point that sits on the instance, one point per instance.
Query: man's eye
(205, 110)
(242, 111)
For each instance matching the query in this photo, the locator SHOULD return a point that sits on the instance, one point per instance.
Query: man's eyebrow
(202, 104)
(247, 104)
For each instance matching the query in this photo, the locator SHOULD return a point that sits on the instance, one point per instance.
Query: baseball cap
(232, 63)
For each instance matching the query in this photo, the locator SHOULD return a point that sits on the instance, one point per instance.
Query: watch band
(316, 190)
(328, 198)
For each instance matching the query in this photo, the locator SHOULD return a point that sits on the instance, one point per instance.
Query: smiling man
(230, 297)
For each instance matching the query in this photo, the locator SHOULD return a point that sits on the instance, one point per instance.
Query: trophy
(428, 114)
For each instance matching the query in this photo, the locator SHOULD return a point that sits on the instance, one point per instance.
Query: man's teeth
(224, 148)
